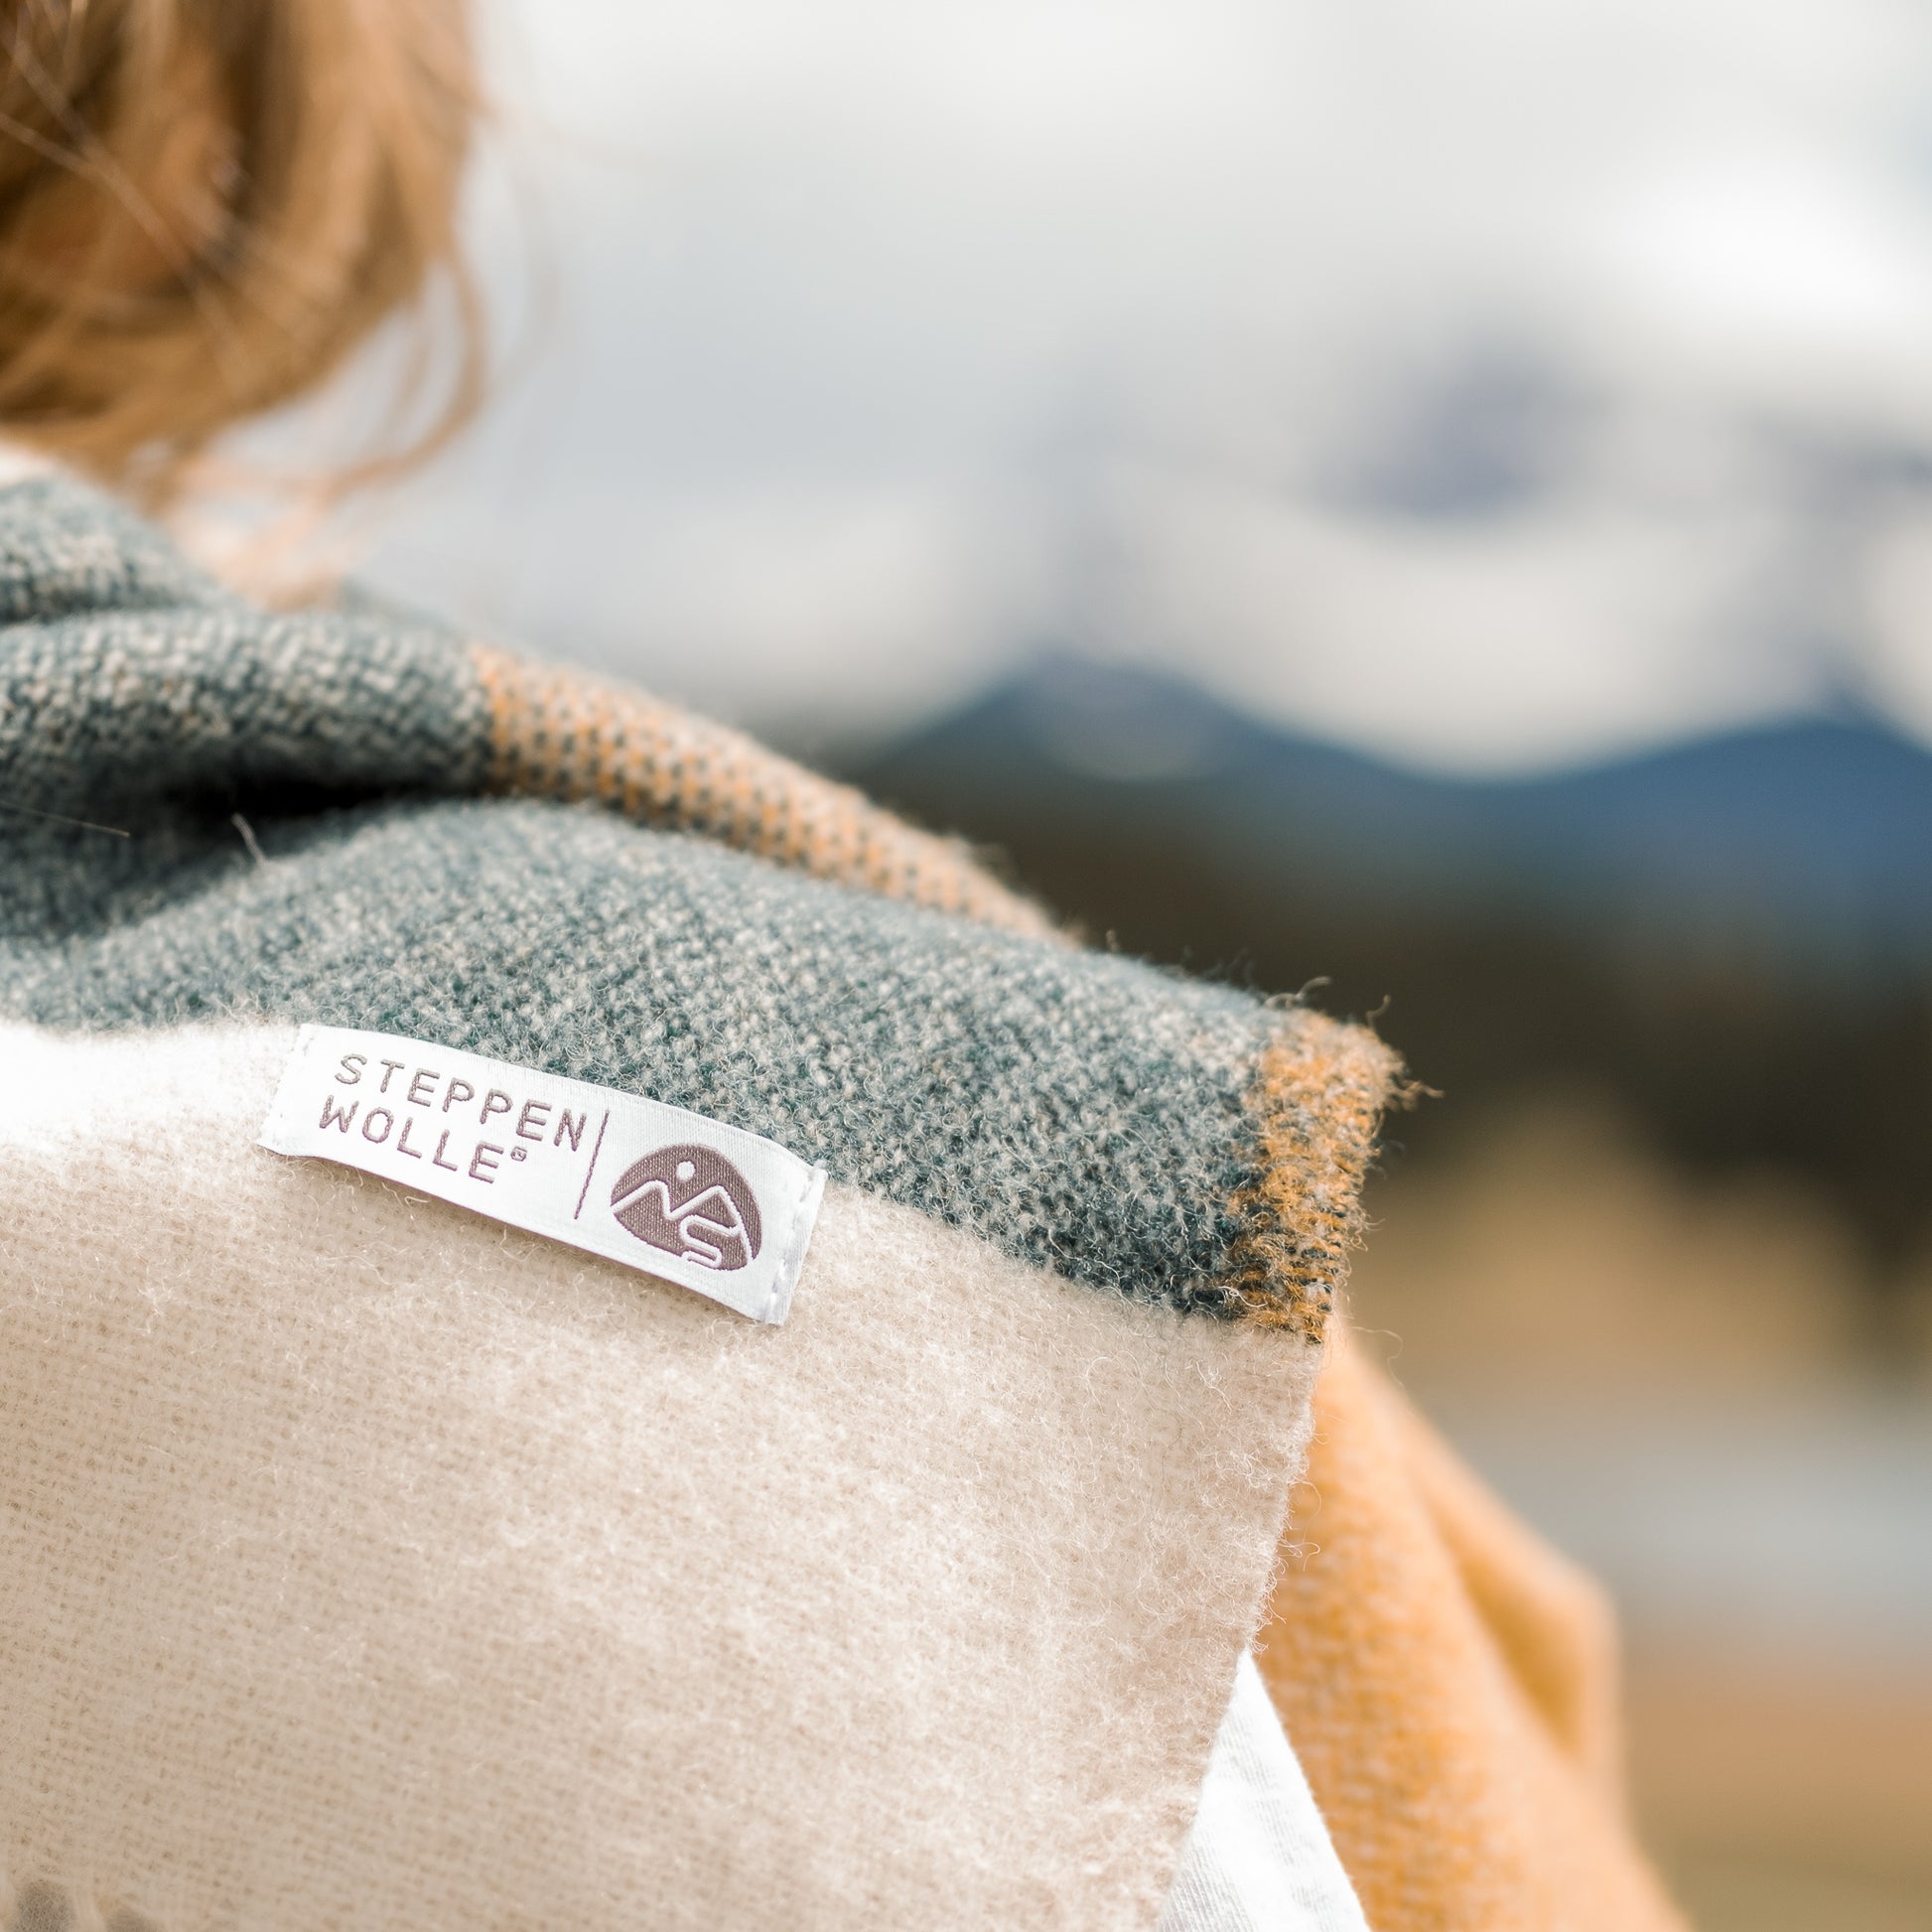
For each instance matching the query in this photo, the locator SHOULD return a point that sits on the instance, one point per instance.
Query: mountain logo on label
(691, 1202)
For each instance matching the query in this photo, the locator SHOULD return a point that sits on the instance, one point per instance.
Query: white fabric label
(708, 1207)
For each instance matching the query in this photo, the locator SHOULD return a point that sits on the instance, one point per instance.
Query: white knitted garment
(1259, 1858)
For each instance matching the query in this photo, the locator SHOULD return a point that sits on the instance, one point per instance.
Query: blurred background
(1430, 503)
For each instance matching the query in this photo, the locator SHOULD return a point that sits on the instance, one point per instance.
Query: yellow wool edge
(556, 733)
(1315, 1104)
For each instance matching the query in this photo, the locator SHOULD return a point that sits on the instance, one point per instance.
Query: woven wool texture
(367, 1563)
(555, 734)
(972, 1075)
(148, 657)
(1079, 1110)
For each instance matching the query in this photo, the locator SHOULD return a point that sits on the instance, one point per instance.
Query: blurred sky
(1491, 384)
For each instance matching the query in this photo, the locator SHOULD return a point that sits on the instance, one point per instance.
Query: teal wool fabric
(1079, 1110)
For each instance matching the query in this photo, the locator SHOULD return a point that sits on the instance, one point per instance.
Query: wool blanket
(364, 1557)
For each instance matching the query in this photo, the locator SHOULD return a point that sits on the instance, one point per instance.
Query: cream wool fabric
(364, 1562)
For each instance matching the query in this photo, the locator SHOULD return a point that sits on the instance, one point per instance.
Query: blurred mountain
(1731, 938)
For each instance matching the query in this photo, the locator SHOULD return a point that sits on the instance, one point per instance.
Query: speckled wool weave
(1079, 1111)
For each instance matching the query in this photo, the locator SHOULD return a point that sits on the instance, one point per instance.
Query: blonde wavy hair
(207, 205)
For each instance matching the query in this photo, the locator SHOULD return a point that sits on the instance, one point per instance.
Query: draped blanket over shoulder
(364, 1558)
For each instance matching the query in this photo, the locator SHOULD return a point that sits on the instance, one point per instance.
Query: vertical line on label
(595, 1146)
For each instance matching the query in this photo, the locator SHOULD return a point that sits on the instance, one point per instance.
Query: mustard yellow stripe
(1315, 1104)
(556, 733)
